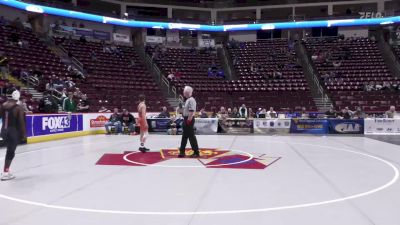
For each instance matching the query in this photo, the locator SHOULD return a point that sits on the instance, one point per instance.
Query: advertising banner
(95, 121)
(158, 124)
(83, 32)
(38, 125)
(124, 38)
(339, 126)
(206, 125)
(271, 126)
(309, 126)
(206, 43)
(101, 35)
(155, 39)
(382, 126)
(236, 126)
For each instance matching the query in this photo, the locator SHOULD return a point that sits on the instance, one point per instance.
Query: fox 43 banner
(38, 125)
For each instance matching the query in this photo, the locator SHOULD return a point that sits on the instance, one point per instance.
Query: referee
(189, 110)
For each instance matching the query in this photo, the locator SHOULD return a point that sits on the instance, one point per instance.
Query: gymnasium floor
(240, 180)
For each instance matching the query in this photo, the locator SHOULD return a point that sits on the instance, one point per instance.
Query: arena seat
(361, 63)
(111, 78)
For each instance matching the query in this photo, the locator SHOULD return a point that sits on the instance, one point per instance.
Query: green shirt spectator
(69, 104)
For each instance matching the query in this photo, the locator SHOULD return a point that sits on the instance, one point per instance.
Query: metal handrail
(173, 89)
(75, 61)
(316, 81)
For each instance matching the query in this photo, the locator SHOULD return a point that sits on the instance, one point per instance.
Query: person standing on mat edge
(189, 110)
(144, 127)
(12, 131)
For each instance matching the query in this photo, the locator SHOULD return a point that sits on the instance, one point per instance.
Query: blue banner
(202, 27)
(339, 126)
(158, 124)
(101, 35)
(309, 126)
(38, 125)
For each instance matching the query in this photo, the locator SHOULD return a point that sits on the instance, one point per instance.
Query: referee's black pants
(188, 133)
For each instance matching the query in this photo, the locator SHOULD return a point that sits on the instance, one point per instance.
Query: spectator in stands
(78, 93)
(114, 121)
(2, 21)
(358, 114)
(171, 75)
(223, 114)
(336, 64)
(271, 113)
(3, 65)
(74, 24)
(262, 113)
(103, 109)
(58, 83)
(82, 39)
(386, 85)
(378, 87)
(93, 56)
(25, 106)
(173, 126)
(22, 43)
(230, 114)
(69, 103)
(250, 113)
(243, 111)
(48, 104)
(37, 72)
(391, 113)
(235, 113)
(17, 23)
(81, 25)
(63, 95)
(84, 104)
(132, 63)
(164, 113)
(214, 113)
(344, 114)
(277, 74)
(369, 86)
(253, 67)
(331, 114)
(69, 83)
(304, 114)
(127, 120)
(203, 113)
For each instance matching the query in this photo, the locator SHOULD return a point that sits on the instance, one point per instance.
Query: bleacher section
(361, 64)
(33, 56)
(290, 91)
(111, 77)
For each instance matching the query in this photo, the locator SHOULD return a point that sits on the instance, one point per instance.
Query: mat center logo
(209, 158)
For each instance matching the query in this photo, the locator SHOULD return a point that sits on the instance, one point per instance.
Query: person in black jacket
(48, 104)
(127, 120)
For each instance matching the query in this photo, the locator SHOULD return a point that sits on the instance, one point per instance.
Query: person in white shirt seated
(271, 113)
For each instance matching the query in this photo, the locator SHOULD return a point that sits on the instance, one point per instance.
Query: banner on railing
(271, 126)
(101, 35)
(124, 38)
(309, 126)
(83, 32)
(155, 39)
(38, 125)
(206, 43)
(206, 125)
(340, 126)
(382, 126)
(236, 126)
